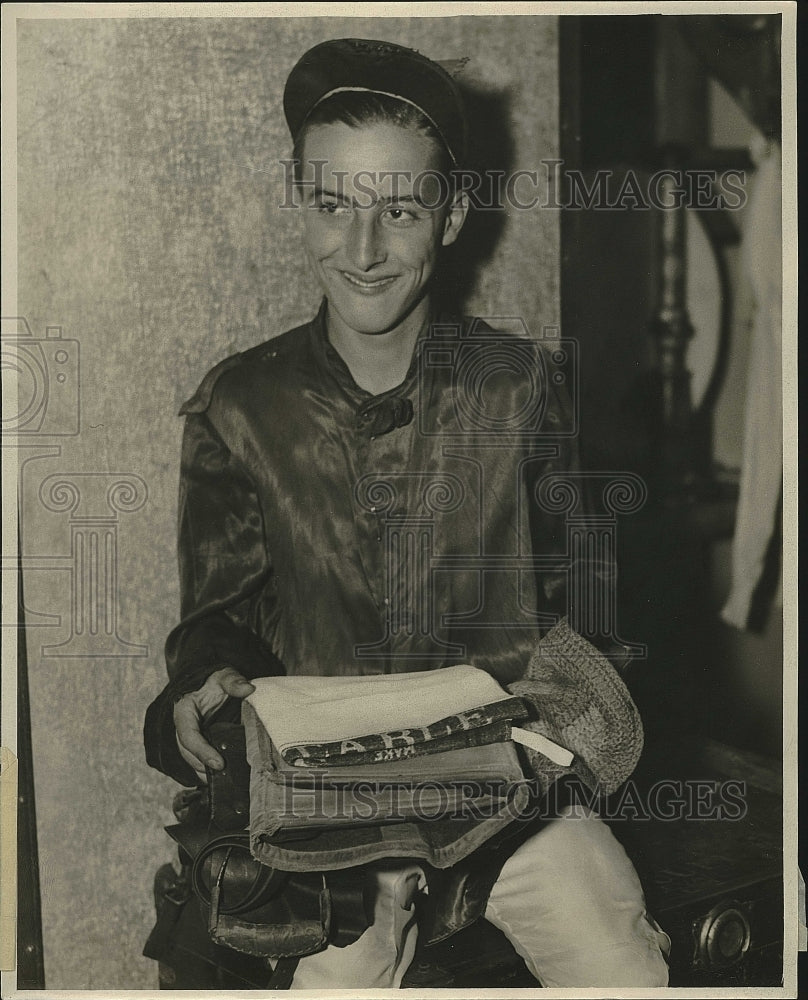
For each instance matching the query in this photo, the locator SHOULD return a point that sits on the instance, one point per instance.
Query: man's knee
(571, 903)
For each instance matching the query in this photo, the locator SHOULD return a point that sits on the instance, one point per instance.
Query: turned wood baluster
(672, 330)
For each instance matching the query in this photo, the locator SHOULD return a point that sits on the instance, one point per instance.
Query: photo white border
(11, 12)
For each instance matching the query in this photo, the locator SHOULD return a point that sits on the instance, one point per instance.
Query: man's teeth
(366, 284)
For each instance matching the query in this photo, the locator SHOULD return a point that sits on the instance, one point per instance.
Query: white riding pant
(568, 900)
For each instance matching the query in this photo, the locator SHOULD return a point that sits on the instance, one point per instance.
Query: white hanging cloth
(762, 469)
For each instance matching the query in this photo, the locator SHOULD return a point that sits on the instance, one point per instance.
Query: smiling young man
(299, 454)
(376, 217)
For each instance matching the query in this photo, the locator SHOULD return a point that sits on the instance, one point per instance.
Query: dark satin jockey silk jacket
(325, 531)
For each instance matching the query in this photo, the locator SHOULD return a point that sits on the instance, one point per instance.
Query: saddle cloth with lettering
(307, 716)
(329, 788)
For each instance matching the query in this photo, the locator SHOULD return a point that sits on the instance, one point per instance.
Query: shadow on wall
(490, 154)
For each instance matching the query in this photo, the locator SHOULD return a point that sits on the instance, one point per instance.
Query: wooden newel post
(672, 330)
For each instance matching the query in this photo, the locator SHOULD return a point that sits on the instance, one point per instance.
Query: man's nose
(366, 243)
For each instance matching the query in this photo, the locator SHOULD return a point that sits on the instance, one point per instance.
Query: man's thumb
(237, 686)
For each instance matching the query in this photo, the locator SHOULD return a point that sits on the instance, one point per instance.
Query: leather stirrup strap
(283, 973)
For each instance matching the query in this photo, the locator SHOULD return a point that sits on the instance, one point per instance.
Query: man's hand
(193, 708)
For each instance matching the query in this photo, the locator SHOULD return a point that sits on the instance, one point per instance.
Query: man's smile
(367, 286)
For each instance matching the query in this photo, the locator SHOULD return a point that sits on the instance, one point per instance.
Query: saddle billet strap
(229, 789)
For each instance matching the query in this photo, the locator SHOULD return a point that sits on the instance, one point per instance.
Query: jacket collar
(333, 366)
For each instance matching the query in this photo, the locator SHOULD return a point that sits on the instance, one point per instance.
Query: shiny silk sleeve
(224, 571)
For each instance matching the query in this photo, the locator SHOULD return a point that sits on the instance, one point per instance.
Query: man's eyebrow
(319, 192)
(406, 198)
(402, 199)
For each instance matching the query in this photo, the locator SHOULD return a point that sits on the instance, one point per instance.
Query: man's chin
(371, 322)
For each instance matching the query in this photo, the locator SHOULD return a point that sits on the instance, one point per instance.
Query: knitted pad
(580, 702)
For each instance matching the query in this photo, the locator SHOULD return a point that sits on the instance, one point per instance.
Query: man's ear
(455, 217)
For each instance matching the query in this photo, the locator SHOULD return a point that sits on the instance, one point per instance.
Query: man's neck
(378, 362)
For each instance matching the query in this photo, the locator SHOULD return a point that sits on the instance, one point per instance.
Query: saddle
(248, 906)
